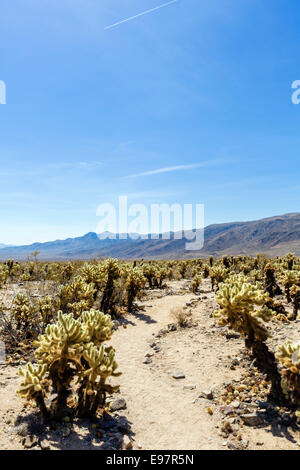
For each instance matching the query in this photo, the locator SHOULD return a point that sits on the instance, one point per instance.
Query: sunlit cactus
(134, 284)
(99, 327)
(217, 274)
(295, 296)
(47, 307)
(22, 311)
(76, 291)
(149, 272)
(196, 282)
(243, 309)
(289, 278)
(34, 386)
(289, 356)
(101, 365)
(71, 349)
(4, 272)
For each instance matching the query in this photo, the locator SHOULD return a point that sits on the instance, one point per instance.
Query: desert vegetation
(59, 321)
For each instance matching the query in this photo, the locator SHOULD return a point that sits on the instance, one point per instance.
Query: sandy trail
(160, 409)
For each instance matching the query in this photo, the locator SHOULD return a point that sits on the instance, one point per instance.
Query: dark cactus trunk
(266, 363)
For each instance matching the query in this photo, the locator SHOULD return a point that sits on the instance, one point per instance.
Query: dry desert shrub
(180, 316)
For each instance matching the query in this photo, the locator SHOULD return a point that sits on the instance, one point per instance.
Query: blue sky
(201, 89)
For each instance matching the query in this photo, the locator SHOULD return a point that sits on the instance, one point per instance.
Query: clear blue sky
(201, 83)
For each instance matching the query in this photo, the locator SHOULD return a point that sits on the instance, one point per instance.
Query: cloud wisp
(139, 14)
(170, 169)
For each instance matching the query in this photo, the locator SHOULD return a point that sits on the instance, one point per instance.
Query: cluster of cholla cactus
(218, 274)
(243, 308)
(156, 274)
(196, 283)
(76, 296)
(47, 308)
(23, 312)
(71, 351)
(13, 268)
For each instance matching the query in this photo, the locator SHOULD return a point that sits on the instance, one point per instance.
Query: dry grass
(181, 317)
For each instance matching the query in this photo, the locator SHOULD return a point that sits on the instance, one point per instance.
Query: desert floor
(153, 409)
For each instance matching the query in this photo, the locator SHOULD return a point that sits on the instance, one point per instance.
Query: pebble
(148, 360)
(44, 445)
(235, 404)
(127, 443)
(252, 419)
(189, 387)
(208, 394)
(177, 374)
(29, 442)
(118, 404)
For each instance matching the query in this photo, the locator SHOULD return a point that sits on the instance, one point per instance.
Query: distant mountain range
(272, 236)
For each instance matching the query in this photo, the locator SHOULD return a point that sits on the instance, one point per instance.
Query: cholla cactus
(205, 271)
(22, 311)
(47, 308)
(270, 283)
(243, 309)
(289, 278)
(162, 274)
(34, 386)
(237, 299)
(110, 273)
(226, 261)
(196, 282)
(134, 284)
(13, 268)
(217, 274)
(72, 348)
(149, 271)
(289, 259)
(103, 277)
(99, 327)
(295, 296)
(289, 356)
(78, 290)
(182, 268)
(102, 364)
(3, 274)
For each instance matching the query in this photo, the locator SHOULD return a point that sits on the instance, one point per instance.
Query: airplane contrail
(140, 14)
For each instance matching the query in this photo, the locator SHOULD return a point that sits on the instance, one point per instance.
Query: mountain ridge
(272, 235)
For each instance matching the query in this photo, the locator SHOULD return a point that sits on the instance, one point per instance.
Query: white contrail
(140, 14)
(169, 169)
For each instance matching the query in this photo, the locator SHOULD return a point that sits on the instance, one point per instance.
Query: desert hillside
(272, 236)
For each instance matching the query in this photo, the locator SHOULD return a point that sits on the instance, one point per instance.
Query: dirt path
(160, 407)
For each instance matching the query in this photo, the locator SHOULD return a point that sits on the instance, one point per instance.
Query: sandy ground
(163, 412)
